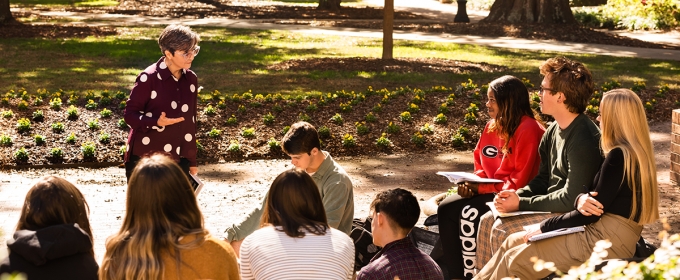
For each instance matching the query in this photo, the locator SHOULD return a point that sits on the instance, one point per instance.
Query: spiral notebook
(557, 232)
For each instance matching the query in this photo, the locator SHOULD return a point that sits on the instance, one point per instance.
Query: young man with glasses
(570, 157)
(161, 110)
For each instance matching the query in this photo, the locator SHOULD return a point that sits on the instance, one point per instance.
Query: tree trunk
(329, 4)
(531, 11)
(388, 25)
(5, 13)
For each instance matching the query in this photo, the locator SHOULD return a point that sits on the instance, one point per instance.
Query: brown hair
(161, 207)
(400, 205)
(54, 201)
(571, 78)
(301, 138)
(294, 202)
(512, 98)
(177, 37)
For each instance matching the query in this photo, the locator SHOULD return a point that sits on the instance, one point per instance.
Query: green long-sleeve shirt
(337, 194)
(570, 158)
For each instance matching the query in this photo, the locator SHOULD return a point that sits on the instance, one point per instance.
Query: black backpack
(364, 249)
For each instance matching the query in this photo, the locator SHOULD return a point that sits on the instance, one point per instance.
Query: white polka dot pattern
(148, 114)
(177, 150)
(153, 94)
(185, 108)
(188, 137)
(143, 78)
(159, 129)
(173, 105)
(192, 87)
(159, 76)
(167, 148)
(146, 140)
(163, 65)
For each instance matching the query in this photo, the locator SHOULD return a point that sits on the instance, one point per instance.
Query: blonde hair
(624, 126)
(161, 208)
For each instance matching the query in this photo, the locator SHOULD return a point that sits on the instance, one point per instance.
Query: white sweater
(271, 254)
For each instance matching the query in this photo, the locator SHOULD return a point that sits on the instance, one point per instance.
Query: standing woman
(162, 236)
(508, 151)
(53, 238)
(295, 241)
(161, 111)
(625, 197)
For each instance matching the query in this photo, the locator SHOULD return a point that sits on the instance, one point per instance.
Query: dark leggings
(130, 166)
(458, 225)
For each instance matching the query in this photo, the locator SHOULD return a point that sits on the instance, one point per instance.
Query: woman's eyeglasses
(191, 53)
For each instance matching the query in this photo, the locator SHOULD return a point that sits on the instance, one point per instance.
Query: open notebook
(556, 232)
(460, 177)
(497, 214)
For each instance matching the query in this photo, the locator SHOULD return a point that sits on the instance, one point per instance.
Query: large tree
(531, 11)
(5, 14)
(388, 26)
(329, 4)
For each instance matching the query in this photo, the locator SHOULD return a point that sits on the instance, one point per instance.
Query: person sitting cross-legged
(394, 213)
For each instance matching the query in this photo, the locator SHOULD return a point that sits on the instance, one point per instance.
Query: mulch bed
(400, 65)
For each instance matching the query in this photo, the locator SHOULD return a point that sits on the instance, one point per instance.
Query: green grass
(235, 61)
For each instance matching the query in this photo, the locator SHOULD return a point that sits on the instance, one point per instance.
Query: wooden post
(675, 148)
(388, 22)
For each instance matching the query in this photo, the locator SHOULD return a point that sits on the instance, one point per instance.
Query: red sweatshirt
(518, 166)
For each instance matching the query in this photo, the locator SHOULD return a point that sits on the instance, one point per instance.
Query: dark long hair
(294, 203)
(54, 201)
(512, 98)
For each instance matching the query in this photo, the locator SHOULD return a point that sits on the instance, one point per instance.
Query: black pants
(458, 225)
(130, 166)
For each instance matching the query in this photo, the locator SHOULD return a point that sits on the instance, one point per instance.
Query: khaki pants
(513, 258)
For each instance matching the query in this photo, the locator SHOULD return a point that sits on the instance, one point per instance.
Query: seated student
(162, 236)
(569, 151)
(394, 213)
(514, 161)
(295, 241)
(53, 238)
(625, 198)
(302, 144)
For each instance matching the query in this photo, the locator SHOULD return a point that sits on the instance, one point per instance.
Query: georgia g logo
(490, 151)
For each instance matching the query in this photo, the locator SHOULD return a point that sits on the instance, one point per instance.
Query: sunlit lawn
(235, 61)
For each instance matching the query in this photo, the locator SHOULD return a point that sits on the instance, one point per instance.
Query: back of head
(160, 208)
(294, 203)
(512, 98)
(301, 138)
(400, 206)
(571, 78)
(176, 37)
(54, 201)
(624, 125)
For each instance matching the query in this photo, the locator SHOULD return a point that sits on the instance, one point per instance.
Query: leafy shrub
(418, 139)
(122, 104)
(120, 95)
(286, 129)
(663, 89)
(405, 117)
(7, 114)
(221, 104)
(105, 113)
(607, 86)
(464, 131)
(370, 117)
(57, 153)
(303, 117)
(473, 108)
(443, 109)
(361, 128)
(39, 139)
(649, 106)
(248, 132)
(88, 149)
(427, 129)
(93, 124)
(23, 105)
(311, 107)
(104, 101)
(383, 142)
(440, 119)
(345, 107)
(273, 144)
(377, 108)
(234, 146)
(5, 140)
(122, 124)
(458, 140)
(72, 112)
(38, 116)
(337, 119)
(247, 95)
(451, 100)
(324, 132)
(214, 133)
(393, 128)
(21, 154)
(592, 109)
(470, 118)
(232, 120)
(526, 83)
(348, 140)
(277, 108)
(104, 137)
(23, 125)
(631, 15)
(55, 103)
(268, 119)
(469, 85)
(638, 86)
(91, 105)
(122, 150)
(413, 108)
(71, 138)
(241, 109)
(210, 111)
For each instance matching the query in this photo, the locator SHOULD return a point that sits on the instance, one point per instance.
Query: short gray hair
(177, 37)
